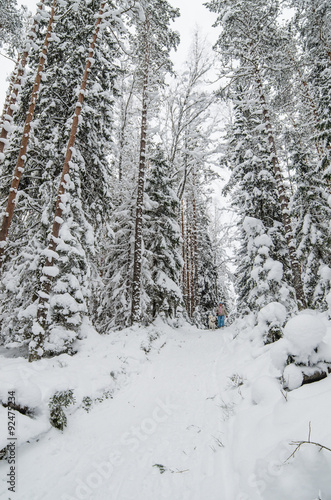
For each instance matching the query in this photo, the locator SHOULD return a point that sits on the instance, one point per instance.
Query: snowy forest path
(163, 435)
(175, 447)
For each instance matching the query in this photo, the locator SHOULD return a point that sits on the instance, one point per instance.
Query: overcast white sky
(193, 15)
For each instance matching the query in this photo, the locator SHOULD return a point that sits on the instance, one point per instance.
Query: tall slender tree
(155, 40)
(162, 237)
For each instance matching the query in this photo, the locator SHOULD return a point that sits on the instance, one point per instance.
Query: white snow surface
(194, 415)
(304, 332)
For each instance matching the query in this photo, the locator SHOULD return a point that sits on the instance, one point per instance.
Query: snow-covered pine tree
(310, 206)
(89, 193)
(113, 309)
(313, 19)
(154, 40)
(308, 144)
(254, 197)
(9, 211)
(16, 78)
(200, 273)
(59, 314)
(10, 26)
(162, 241)
(251, 38)
(210, 290)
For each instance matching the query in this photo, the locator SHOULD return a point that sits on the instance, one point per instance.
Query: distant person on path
(221, 312)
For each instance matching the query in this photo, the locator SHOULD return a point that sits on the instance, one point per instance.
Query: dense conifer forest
(133, 194)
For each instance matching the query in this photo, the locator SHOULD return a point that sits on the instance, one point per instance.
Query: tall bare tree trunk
(137, 257)
(295, 266)
(15, 85)
(184, 253)
(24, 142)
(39, 328)
(188, 264)
(195, 244)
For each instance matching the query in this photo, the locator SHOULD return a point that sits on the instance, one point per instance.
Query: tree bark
(195, 245)
(39, 329)
(24, 142)
(137, 257)
(184, 253)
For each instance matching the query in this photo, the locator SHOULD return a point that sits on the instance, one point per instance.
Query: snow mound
(265, 390)
(27, 393)
(293, 377)
(328, 299)
(279, 353)
(273, 313)
(304, 332)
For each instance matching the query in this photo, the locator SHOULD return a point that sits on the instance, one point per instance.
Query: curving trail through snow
(163, 435)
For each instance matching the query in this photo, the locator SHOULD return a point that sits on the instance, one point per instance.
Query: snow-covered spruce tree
(200, 274)
(17, 75)
(161, 251)
(153, 42)
(311, 208)
(306, 140)
(113, 309)
(88, 196)
(61, 303)
(10, 25)
(20, 270)
(210, 291)
(313, 19)
(162, 241)
(9, 211)
(250, 36)
(262, 263)
(11, 36)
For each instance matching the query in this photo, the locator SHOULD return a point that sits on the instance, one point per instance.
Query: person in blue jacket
(221, 312)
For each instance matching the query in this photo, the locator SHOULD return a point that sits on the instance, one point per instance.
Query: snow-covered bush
(271, 320)
(302, 355)
(60, 400)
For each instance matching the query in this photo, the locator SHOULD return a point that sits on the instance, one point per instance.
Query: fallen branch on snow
(298, 444)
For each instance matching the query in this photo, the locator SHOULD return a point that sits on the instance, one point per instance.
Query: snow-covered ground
(178, 414)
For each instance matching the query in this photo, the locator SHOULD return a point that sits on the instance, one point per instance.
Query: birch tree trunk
(25, 140)
(137, 257)
(15, 85)
(40, 326)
